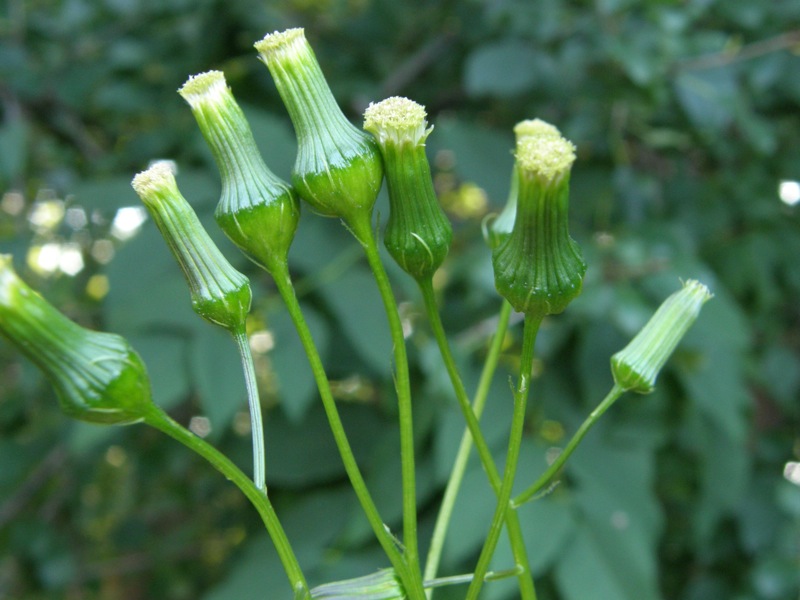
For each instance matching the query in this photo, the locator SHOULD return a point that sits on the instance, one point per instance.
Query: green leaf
(483, 155)
(503, 68)
(147, 289)
(274, 138)
(708, 97)
(471, 517)
(164, 356)
(303, 454)
(355, 301)
(109, 193)
(218, 376)
(298, 389)
(311, 523)
(622, 522)
(13, 148)
(724, 476)
(710, 363)
(106, 194)
(83, 437)
(548, 525)
(587, 570)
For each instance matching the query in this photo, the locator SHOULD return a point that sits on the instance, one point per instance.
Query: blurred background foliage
(686, 115)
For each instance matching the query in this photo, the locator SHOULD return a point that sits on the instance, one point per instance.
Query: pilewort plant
(339, 169)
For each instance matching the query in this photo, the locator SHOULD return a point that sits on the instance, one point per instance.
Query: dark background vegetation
(686, 115)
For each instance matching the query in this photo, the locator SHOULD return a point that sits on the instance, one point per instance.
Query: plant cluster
(538, 271)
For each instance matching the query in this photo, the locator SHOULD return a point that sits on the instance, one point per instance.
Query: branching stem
(531, 329)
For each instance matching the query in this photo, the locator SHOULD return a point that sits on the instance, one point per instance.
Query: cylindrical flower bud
(257, 210)
(500, 226)
(539, 268)
(382, 585)
(637, 366)
(220, 294)
(97, 376)
(418, 234)
(338, 168)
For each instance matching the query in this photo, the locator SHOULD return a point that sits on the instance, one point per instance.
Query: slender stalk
(256, 424)
(363, 232)
(475, 433)
(531, 329)
(544, 478)
(283, 282)
(258, 498)
(462, 456)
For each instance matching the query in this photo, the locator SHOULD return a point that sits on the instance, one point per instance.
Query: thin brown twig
(742, 53)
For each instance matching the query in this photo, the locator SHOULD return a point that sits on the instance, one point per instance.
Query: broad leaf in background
(297, 388)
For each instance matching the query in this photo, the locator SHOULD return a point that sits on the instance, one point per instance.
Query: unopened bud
(637, 366)
(97, 376)
(220, 294)
(257, 210)
(418, 234)
(539, 268)
(338, 168)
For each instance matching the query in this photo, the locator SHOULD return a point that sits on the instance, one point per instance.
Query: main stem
(474, 432)
(545, 477)
(256, 424)
(362, 229)
(283, 281)
(258, 497)
(531, 329)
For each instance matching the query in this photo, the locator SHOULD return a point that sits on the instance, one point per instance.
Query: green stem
(531, 329)
(363, 232)
(283, 282)
(256, 424)
(473, 433)
(545, 477)
(462, 457)
(258, 498)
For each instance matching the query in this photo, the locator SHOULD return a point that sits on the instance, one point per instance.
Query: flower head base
(220, 294)
(337, 170)
(97, 376)
(418, 234)
(257, 210)
(637, 366)
(538, 267)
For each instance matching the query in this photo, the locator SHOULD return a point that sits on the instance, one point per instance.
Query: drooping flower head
(97, 376)
(220, 294)
(338, 168)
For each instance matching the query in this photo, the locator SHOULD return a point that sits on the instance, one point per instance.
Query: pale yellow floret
(283, 45)
(157, 179)
(545, 156)
(535, 127)
(204, 88)
(397, 120)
